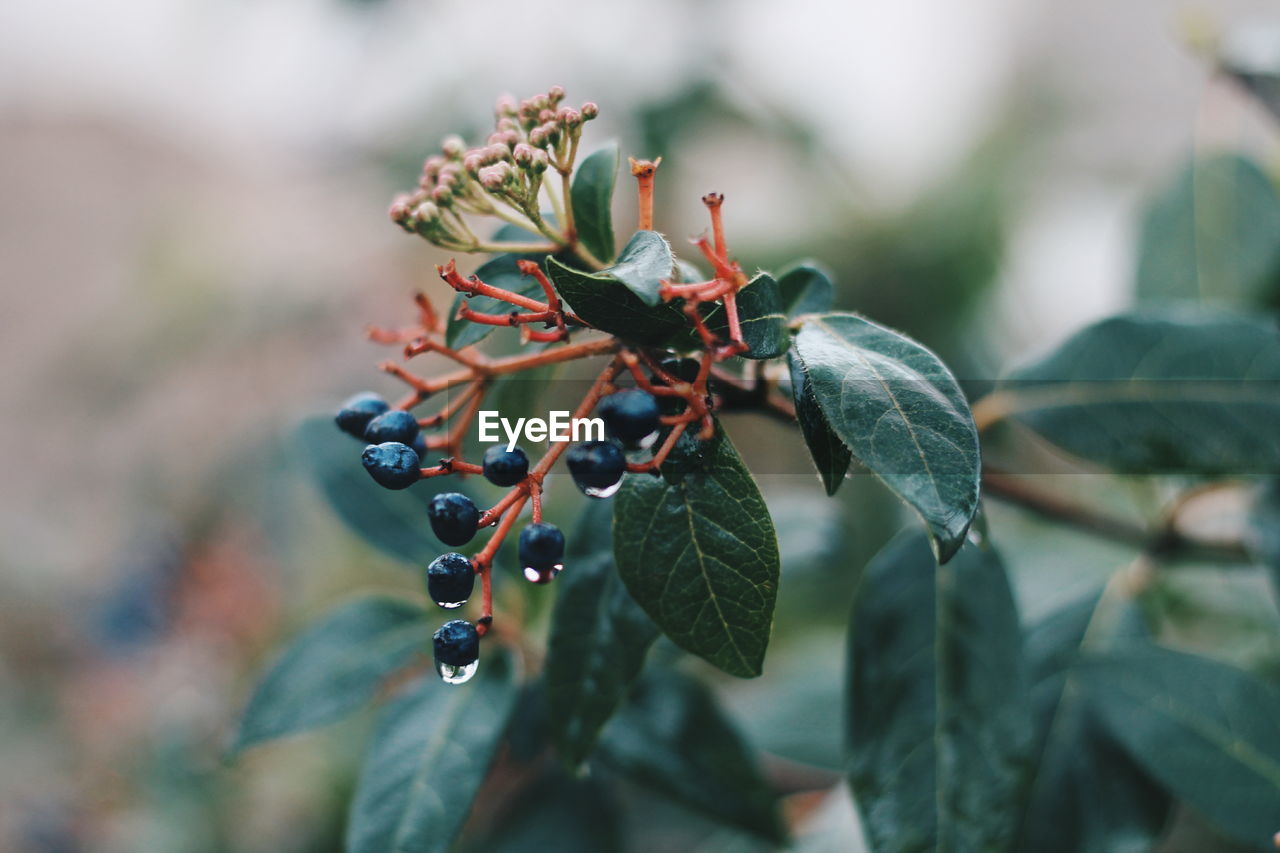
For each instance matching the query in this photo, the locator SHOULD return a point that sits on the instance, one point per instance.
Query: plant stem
(1168, 544)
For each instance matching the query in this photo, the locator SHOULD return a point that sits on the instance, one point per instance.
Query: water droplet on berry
(607, 491)
(647, 442)
(974, 537)
(540, 576)
(450, 605)
(451, 674)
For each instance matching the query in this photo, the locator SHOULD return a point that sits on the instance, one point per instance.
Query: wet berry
(357, 411)
(450, 580)
(682, 370)
(597, 467)
(395, 425)
(630, 415)
(392, 464)
(541, 547)
(456, 643)
(504, 467)
(453, 518)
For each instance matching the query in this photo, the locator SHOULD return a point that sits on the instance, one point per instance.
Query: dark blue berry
(419, 446)
(504, 467)
(456, 643)
(630, 415)
(356, 413)
(395, 425)
(392, 464)
(450, 579)
(541, 547)
(683, 370)
(453, 518)
(596, 466)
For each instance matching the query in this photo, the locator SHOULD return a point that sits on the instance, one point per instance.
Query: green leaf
(501, 271)
(805, 288)
(897, 407)
(608, 305)
(645, 262)
(430, 752)
(333, 668)
(701, 558)
(760, 316)
(558, 813)
(1169, 391)
(591, 197)
(1214, 233)
(599, 639)
(1083, 791)
(673, 738)
(1209, 732)
(937, 715)
(826, 448)
(393, 521)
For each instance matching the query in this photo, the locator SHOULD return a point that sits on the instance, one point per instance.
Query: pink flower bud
(556, 94)
(538, 137)
(495, 177)
(426, 213)
(545, 116)
(590, 110)
(453, 146)
(569, 117)
(523, 154)
(473, 161)
(505, 138)
(399, 210)
(507, 124)
(443, 196)
(431, 167)
(540, 160)
(497, 152)
(506, 105)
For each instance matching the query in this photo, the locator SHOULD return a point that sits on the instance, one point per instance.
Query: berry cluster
(665, 397)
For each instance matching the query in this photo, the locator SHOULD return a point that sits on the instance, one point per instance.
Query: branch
(1168, 543)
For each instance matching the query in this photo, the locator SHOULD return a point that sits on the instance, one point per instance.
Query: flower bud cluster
(502, 178)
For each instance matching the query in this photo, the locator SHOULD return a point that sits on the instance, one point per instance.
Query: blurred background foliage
(194, 234)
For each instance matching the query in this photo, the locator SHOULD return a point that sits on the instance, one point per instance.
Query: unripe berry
(392, 464)
(504, 467)
(630, 415)
(597, 467)
(450, 579)
(395, 425)
(453, 518)
(541, 551)
(357, 411)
